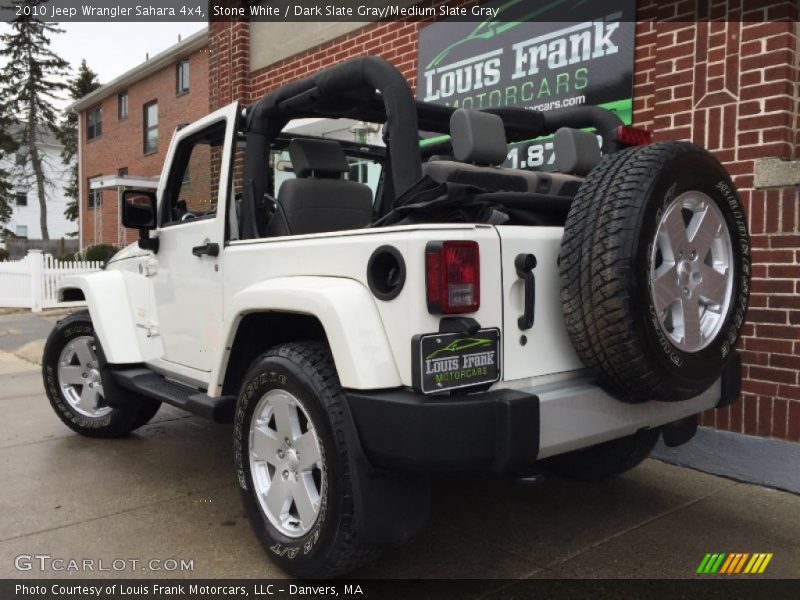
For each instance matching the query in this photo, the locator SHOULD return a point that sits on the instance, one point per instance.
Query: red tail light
(633, 136)
(453, 277)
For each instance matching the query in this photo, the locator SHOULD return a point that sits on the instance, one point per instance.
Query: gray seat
(577, 152)
(319, 199)
(479, 145)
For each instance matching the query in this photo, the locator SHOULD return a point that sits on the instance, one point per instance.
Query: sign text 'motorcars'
(572, 45)
(539, 56)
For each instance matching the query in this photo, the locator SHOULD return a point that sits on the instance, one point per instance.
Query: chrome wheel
(691, 271)
(286, 463)
(79, 377)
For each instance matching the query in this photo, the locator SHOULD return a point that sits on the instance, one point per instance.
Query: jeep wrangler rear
(453, 315)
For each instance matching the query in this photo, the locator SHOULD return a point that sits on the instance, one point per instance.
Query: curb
(767, 462)
(31, 352)
(46, 312)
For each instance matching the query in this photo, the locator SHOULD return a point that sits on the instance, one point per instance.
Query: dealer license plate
(449, 361)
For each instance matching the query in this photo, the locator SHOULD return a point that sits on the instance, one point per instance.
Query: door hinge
(149, 329)
(149, 267)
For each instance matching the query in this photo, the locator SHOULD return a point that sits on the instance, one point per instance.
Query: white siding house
(24, 220)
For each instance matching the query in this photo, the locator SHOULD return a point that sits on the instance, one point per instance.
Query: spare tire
(655, 271)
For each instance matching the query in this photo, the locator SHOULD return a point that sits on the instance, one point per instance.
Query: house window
(22, 231)
(21, 198)
(122, 106)
(150, 127)
(95, 199)
(359, 171)
(94, 123)
(182, 77)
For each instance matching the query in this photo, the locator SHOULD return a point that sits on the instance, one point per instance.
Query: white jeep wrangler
(454, 315)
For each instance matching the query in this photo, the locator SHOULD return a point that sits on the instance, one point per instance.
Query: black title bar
(489, 12)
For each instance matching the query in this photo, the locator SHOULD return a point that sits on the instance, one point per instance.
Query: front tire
(292, 462)
(78, 388)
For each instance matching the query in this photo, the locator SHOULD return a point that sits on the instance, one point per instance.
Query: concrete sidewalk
(168, 491)
(23, 333)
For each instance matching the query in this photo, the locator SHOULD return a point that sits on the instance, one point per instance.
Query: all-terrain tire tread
(316, 361)
(595, 262)
(122, 420)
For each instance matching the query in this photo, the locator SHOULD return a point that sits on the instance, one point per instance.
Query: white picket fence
(33, 281)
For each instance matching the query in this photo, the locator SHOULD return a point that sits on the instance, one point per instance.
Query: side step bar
(148, 383)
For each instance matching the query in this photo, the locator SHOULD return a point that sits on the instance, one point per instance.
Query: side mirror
(139, 212)
(139, 209)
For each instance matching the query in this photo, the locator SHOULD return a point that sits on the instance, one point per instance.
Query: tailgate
(545, 348)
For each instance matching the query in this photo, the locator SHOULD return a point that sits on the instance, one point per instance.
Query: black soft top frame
(371, 89)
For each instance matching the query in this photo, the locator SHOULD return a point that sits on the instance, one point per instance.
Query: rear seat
(479, 145)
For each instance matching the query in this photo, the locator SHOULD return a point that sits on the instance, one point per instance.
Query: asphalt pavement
(168, 492)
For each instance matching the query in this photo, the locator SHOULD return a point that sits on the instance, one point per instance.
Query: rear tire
(78, 387)
(291, 397)
(655, 271)
(605, 460)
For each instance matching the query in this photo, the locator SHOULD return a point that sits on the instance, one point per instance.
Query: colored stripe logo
(734, 563)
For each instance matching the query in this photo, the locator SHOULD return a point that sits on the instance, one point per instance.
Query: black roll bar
(346, 90)
(371, 89)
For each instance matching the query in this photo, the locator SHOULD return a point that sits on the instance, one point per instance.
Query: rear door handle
(209, 248)
(525, 264)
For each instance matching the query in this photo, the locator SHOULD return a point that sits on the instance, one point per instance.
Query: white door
(188, 280)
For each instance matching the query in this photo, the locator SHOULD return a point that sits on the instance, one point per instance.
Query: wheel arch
(339, 311)
(259, 331)
(71, 294)
(106, 295)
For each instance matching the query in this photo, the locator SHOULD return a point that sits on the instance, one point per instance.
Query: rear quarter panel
(346, 254)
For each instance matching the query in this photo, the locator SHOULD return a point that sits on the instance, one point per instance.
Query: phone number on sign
(536, 155)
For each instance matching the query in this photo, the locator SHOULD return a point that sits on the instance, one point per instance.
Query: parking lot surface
(168, 492)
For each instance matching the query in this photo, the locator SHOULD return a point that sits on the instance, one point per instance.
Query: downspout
(80, 180)
(120, 230)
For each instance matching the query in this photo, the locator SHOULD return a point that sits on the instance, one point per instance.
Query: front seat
(319, 199)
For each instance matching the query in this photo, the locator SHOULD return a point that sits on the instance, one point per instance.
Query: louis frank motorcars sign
(539, 58)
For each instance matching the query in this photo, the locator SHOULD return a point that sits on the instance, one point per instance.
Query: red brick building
(727, 80)
(125, 129)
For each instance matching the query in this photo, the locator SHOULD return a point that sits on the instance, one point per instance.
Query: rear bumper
(506, 430)
(401, 429)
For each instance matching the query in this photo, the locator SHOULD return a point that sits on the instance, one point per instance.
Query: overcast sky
(110, 49)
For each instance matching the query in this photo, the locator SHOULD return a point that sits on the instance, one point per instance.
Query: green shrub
(101, 252)
(3, 255)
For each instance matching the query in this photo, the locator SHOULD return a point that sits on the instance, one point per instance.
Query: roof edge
(194, 42)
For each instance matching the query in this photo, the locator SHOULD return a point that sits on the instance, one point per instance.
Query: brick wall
(229, 63)
(230, 78)
(121, 143)
(729, 86)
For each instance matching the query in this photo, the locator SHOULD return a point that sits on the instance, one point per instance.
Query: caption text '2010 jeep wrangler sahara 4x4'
(453, 315)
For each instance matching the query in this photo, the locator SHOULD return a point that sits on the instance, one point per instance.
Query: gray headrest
(478, 137)
(577, 152)
(323, 158)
